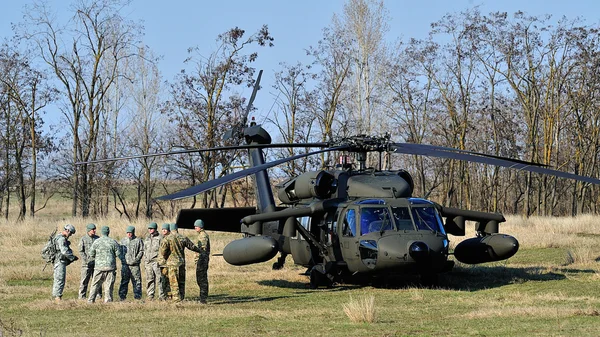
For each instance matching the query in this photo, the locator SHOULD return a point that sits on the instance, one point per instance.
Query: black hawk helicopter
(348, 224)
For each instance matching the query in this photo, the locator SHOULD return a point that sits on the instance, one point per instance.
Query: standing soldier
(153, 275)
(202, 260)
(172, 255)
(104, 252)
(164, 272)
(64, 256)
(87, 265)
(132, 251)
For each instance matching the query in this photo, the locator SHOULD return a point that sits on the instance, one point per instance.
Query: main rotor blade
(451, 149)
(194, 190)
(449, 153)
(221, 148)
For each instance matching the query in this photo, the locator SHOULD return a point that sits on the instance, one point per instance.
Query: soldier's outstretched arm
(191, 246)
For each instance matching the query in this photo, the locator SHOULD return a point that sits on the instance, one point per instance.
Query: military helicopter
(351, 223)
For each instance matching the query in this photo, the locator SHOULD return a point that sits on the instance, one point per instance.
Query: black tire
(315, 278)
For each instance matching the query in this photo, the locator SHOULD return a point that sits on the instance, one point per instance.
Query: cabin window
(349, 228)
(304, 222)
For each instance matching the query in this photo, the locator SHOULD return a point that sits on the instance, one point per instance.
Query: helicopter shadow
(304, 287)
(476, 278)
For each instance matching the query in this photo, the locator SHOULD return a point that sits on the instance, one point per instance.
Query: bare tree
(85, 55)
(28, 93)
(293, 121)
(332, 66)
(365, 24)
(203, 105)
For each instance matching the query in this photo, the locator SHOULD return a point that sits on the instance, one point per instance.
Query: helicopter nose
(419, 251)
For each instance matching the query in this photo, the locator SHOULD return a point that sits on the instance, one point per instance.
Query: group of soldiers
(162, 254)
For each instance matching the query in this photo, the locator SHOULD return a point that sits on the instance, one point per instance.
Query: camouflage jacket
(172, 250)
(63, 249)
(85, 244)
(132, 251)
(204, 245)
(104, 252)
(151, 247)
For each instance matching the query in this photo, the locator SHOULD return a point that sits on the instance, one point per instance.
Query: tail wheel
(318, 277)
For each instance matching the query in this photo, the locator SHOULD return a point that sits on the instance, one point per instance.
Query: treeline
(511, 85)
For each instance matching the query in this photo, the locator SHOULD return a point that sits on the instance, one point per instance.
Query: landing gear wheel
(277, 266)
(315, 278)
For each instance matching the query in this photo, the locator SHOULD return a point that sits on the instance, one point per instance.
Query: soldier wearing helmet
(64, 257)
(172, 255)
(87, 264)
(202, 260)
(132, 251)
(154, 277)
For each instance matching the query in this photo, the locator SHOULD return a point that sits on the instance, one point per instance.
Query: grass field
(550, 288)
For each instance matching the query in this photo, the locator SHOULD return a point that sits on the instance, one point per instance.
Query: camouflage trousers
(154, 279)
(133, 273)
(60, 274)
(86, 278)
(176, 279)
(202, 276)
(102, 279)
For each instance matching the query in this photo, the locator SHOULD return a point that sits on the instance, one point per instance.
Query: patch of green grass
(540, 256)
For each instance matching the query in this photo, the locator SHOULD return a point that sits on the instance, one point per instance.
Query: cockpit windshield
(427, 218)
(374, 219)
(402, 218)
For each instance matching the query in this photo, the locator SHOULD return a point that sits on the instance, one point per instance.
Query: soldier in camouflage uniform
(172, 255)
(104, 252)
(132, 251)
(87, 265)
(202, 260)
(153, 275)
(64, 256)
(164, 272)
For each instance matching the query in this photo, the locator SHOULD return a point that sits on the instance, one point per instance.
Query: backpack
(49, 249)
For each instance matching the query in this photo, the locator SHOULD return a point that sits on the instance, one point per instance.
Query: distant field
(550, 288)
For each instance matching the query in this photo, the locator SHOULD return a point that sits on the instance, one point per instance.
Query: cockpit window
(349, 228)
(402, 218)
(374, 219)
(427, 218)
(371, 202)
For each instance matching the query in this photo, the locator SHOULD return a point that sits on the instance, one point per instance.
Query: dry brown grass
(255, 300)
(361, 310)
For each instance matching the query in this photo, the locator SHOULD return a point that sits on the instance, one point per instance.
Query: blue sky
(173, 26)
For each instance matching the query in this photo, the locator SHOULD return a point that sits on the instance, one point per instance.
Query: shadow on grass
(226, 299)
(463, 277)
(473, 278)
(306, 286)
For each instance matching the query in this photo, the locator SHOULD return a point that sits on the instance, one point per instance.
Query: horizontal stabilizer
(215, 219)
